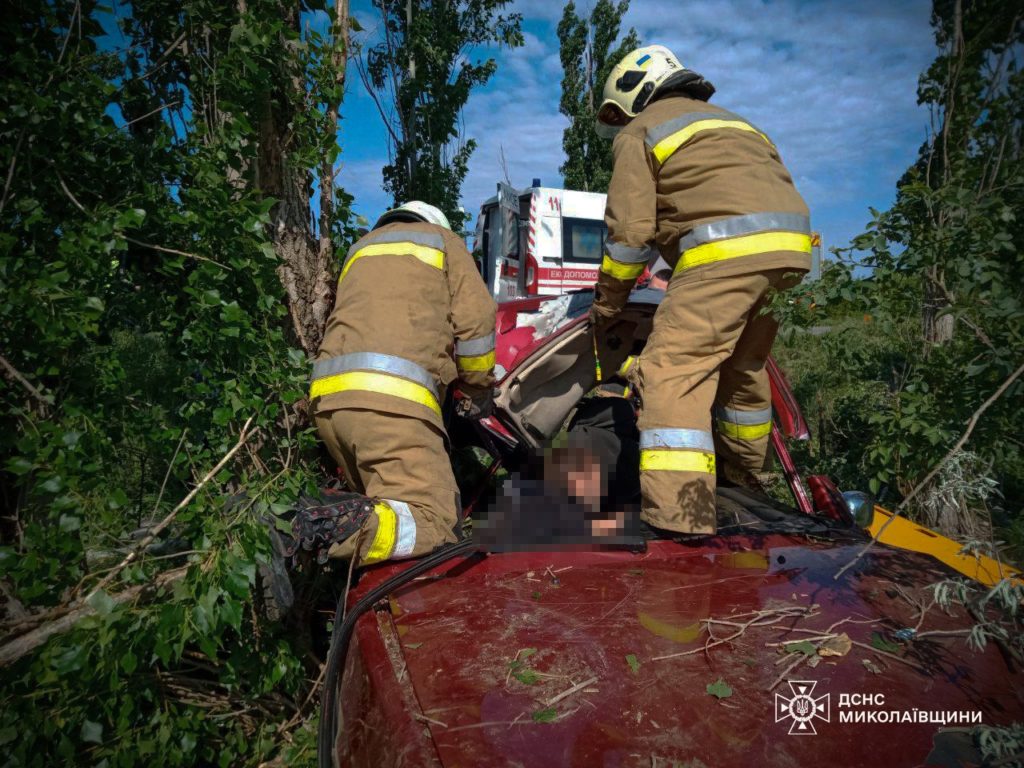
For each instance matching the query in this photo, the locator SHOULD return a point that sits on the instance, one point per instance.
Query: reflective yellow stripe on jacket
(475, 354)
(374, 372)
(747, 235)
(663, 140)
(426, 247)
(624, 262)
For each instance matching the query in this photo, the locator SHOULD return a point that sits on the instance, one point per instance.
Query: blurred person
(571, 495)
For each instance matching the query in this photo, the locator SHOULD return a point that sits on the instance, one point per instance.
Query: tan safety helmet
(414, 210)
(638, 79)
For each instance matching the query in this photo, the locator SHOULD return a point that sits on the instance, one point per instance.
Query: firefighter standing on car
(412, 316)
(708, 190)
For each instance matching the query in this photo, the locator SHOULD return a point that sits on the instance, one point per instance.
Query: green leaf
(69, 523)
(527, 653)
(548, 715)
(92, 733)
(879, 642)
(719, 689)
(101, 602)
(526, 676)
(804, 646)
(129, 662)
(634, 665)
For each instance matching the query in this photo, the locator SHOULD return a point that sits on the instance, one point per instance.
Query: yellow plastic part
(685, 633)
(904, 534)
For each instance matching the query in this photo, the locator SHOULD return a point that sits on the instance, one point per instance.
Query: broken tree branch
(14, 649)
(971, 424)
(17, 376)
(243, 436)
(174, 252)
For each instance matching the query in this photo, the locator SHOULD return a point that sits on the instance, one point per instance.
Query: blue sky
(834, 84)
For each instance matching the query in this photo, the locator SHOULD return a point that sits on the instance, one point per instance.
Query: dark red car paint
(428, 679)
(428, 683)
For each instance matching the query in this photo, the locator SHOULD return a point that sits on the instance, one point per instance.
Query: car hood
(472, 665)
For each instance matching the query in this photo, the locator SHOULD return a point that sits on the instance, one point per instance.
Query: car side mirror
(861, 506)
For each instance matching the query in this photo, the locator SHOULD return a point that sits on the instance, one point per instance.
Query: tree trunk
(305, 256)
(936, 329)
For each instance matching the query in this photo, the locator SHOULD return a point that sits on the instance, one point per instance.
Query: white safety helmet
(414, 210)
(634, 81)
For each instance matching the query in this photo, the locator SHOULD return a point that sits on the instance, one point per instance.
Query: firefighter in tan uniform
(708, 190)
(412, 316)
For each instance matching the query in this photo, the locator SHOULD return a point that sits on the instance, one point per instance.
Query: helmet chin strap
(606, 131)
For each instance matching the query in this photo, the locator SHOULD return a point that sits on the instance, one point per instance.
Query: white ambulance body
(540, 241)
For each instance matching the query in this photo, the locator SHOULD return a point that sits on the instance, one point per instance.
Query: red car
(739, 650)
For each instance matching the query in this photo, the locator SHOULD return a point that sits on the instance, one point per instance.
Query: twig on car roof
(567, 693)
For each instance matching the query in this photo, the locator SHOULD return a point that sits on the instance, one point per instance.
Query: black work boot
(319, 523)
(731, 475)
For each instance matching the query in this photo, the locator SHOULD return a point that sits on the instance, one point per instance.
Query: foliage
(1000, 746)
(423, 70)
(996, 611)
(923, 317)
(588, 54)
(144, 318)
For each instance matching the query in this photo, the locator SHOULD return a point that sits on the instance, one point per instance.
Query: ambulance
(539, 241)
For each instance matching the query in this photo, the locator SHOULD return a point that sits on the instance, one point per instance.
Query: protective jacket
(412, 315)
(708, 190)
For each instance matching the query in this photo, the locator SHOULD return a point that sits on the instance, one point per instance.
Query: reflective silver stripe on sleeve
(753, 418)
(625, 254)
(666, 129)
(752, 223)
(375, 361)
(478, 346)
(405, 537)
(691, 439)
(429, 239)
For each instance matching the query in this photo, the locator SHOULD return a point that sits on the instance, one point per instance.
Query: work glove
(601, 316)
(476, 406)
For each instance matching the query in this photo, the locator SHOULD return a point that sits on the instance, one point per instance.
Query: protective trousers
(707, 352)
(401, 461)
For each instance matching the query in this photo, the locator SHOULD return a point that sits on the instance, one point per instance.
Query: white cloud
(832, 82)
